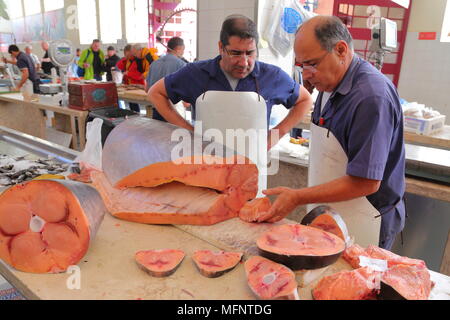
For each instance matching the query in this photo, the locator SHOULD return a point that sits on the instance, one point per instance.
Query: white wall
(425, 73)
(211, 15)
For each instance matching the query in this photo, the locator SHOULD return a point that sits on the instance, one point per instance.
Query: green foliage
(3, 13)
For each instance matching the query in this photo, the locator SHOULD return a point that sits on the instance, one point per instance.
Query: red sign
(427, 35)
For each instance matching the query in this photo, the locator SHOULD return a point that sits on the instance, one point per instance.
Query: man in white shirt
(34, 58)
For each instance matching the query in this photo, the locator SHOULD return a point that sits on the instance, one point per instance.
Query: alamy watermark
(215, 147)
(73, 282)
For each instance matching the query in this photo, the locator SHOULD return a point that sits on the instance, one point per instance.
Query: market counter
(439, 139)
(28, 117)
(109, 271)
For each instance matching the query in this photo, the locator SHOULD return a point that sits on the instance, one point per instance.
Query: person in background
(144, 57)
(74, 67)
(26, 67)
(92, 60)
(110, 62)
(131, 74)
(160, 47)
(129, 68)
(34, 58)
(166, 65)
(46, 63)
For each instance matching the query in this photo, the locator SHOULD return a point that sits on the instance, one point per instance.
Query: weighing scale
(62, 54)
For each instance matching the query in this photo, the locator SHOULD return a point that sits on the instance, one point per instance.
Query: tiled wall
(425, 74)
(211, 14)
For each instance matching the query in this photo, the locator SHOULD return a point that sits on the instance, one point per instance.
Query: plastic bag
(287, 16)
(91, 157)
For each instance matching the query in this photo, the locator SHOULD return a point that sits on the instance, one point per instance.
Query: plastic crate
(424, 126)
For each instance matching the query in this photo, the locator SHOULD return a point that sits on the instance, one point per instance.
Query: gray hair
(137, 46)
(331, 31)
(29, 47)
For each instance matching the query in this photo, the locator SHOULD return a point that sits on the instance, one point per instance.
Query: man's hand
(273, 138)
(287, 201)
(86, 65)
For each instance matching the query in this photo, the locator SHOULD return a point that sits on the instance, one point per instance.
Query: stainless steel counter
(15, 143)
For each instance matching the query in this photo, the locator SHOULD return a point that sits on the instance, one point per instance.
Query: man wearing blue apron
(237, 70)
(357, 156)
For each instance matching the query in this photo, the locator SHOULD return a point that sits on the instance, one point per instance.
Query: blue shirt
(365, 115)
(275, 85)
(25, 62)
(163, 67)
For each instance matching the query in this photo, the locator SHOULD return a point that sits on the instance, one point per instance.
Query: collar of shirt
(213, 67)
(347, 82)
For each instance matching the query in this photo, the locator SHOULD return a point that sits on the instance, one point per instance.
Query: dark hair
(13, 48)
(158, 38)
(331, 31)
(110, 48)
(78, 49)
(127, 48)
(95, 40)
(240, 26)
(175, 42)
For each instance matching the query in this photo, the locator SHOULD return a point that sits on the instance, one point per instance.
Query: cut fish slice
(269, 280)
(352, 254)
(405, 282)
(300, 247)
(47, 225)
(360, 284)
(255, 209)
(141, 152)
(172, 203)
(326, 219)
(215, 264)
(160, 263)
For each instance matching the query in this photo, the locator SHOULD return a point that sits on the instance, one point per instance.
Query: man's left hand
(287, 201)
(273, 138)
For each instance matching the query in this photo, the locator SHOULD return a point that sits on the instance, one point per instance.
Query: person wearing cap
(166, 65)
(110, 62)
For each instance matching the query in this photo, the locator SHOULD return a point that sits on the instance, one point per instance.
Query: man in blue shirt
(26, 66)
(361, 108)
(166, 65)
(235, 69)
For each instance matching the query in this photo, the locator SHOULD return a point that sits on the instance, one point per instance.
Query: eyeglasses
(312, 67)
(235, 54)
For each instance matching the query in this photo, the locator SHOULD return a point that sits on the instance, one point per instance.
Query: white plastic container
(424, 126)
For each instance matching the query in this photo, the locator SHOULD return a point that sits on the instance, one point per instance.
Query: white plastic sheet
(286, 18)
(91, 156)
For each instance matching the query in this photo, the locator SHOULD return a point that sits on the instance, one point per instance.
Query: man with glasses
(235, 69)
(357, 155)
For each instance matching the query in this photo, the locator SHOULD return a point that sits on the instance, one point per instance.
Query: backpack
(80, 70)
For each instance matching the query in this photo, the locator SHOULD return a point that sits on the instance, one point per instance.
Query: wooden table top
(17, 97)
